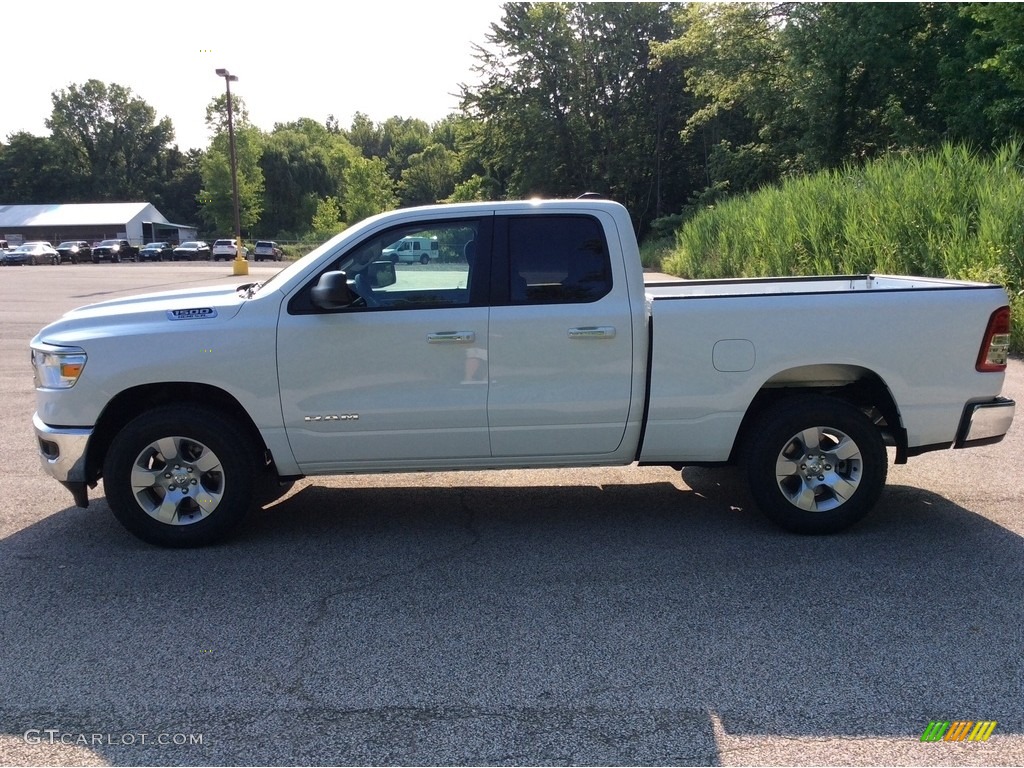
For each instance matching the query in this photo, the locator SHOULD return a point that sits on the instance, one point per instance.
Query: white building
(138, 222)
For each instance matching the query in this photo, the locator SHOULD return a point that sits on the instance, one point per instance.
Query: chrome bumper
(984, 423)
(62, 454)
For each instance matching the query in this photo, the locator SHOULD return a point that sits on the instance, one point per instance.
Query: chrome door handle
(451, 337)
(593, 332)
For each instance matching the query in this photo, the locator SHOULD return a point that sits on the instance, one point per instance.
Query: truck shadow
(615, 624)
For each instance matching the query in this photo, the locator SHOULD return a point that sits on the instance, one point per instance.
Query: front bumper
(62, 454)
(985, 423)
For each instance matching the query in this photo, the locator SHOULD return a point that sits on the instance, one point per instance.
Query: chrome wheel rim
(177, 480)
(819, 469)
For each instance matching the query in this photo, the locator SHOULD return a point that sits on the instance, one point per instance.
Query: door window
(451, 279)
(557, 260)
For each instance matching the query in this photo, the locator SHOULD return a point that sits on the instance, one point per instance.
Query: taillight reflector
(995, 347)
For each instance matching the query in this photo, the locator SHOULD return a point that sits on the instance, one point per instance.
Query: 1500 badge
(199, 313)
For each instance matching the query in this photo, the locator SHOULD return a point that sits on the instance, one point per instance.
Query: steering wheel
(362, 286)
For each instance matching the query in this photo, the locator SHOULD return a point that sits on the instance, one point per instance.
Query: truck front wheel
(816, 464)
(180, 476)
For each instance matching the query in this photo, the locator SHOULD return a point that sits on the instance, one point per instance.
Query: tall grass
(952, 213)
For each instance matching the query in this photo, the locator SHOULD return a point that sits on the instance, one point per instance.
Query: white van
(409, 250)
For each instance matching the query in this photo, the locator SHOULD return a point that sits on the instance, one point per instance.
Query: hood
(185, 308)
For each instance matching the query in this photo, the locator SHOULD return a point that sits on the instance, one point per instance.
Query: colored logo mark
(959, 730)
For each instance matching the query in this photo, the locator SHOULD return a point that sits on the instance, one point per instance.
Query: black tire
(424, 259)
(815, 465)
(209, 479)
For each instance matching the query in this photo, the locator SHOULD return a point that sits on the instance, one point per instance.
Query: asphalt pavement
(627, 616)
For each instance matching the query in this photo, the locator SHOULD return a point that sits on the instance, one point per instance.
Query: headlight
(115, 248)
(57, 367)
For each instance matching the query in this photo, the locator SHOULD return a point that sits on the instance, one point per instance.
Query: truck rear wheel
(180, 476)
(816, 464)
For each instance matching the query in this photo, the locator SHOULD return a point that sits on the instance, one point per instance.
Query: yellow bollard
(240, 266)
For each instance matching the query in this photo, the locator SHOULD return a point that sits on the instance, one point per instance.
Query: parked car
(227, 250)
(15, 257)
(191, 250)
(74, 251)
(267, 249)
(156, 252)
(35, 252)
(114, 251)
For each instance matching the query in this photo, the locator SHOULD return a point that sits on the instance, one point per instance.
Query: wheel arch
(854, 384)
(132, 402)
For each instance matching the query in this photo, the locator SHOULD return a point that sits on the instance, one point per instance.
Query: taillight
(995, 347)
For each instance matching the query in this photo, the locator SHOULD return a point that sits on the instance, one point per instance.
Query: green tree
(326, 222)
(430, 177)
(297, 172)
(999, 43)
(216, 197)
(367, 136)
(569, 102)
(31, 171)
(368, 189)
(176, 194)
(474, 189)
(797, 87)
(108, 138)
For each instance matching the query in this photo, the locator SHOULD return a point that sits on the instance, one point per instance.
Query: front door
(399, 378)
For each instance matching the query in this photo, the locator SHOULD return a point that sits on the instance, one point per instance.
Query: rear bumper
(62, 455)
(985, 423)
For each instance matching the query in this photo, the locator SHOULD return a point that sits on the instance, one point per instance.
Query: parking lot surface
(633, 616)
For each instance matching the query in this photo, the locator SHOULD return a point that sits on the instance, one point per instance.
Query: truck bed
(711, 358)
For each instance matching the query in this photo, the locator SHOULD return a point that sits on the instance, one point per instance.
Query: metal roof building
(138, 222)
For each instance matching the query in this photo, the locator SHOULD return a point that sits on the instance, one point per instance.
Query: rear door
(560, 346)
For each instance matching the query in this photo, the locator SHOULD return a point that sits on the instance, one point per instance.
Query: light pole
(241, 266)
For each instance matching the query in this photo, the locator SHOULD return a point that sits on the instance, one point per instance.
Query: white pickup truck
(534, 342)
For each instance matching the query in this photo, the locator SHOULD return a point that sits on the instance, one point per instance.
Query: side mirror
(332, 291)
(381, 274)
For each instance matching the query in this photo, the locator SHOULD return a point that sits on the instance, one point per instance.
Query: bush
(951, 213)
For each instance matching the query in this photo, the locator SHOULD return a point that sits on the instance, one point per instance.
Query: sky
(293, 58)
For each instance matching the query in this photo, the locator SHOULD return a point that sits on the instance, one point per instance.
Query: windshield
(108, 242)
